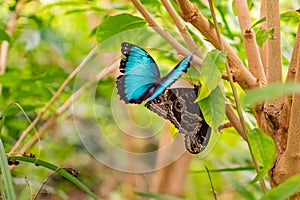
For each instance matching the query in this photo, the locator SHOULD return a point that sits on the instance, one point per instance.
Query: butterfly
(178, 106)
(141, 78)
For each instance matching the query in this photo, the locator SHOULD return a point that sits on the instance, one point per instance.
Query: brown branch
(294, 59)
(235, 121)
(190, 13)
(181, 27)
(163, 33)
(239, 108)
(263, 50)
(254, 61)
(274, 65)
(289, 164)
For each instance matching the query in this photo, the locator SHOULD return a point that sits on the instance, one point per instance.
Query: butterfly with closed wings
(141, 80)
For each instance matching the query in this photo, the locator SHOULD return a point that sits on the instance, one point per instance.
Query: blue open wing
(140, 76)
(172, 76)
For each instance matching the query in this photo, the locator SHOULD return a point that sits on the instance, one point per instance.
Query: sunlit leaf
(258, 22)
(173, 130)
(286, 189)
(212, 67)
(116, 24)
(290, 15)
(269, 92)
(213, 108)
(262, 36)
(263, 149)
(203, 90)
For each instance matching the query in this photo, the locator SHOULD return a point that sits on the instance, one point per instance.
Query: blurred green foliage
(51, 38)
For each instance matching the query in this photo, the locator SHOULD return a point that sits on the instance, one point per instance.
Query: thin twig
(181, 27)
(53, 99)
(44, 183)
(164, 33)
(67, 105)
(238, 106)
(190, 13)
(211, 183)
(294, 59)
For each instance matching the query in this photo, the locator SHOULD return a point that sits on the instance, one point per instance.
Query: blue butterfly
(141, 78)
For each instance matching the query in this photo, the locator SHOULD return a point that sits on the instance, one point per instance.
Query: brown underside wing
(177, 105)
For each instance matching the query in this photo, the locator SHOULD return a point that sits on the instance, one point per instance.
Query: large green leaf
(8, 188)
(213, 108)
(212, 67)
(151, 195)
(116, 24)
(269, 92)
(286, 189)
(263, 149)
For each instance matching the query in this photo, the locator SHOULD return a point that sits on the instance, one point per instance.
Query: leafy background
(50, 39)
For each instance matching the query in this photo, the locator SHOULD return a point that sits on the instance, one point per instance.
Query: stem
(239, 108)
(263, 50)
(181, 27)
(294, 59)
(249, 39)
(53, 99)
(211, 183)
(291, 155)
(241, 75)
(67, 105)
(163, 33)
(274, 66)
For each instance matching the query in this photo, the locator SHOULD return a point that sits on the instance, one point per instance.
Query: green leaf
(58, 170)
(157, 196)
(242, 190)
(212, 67)
(286, 189)
(263, 149)
(269, 92)
(262, 35)
(246, 168)
(203, 90)
(10, 79)
(173, 130)
(213, 108)
(7, 185)
(113, 25)
(290, 15)
(258, 22)
(4, 36)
